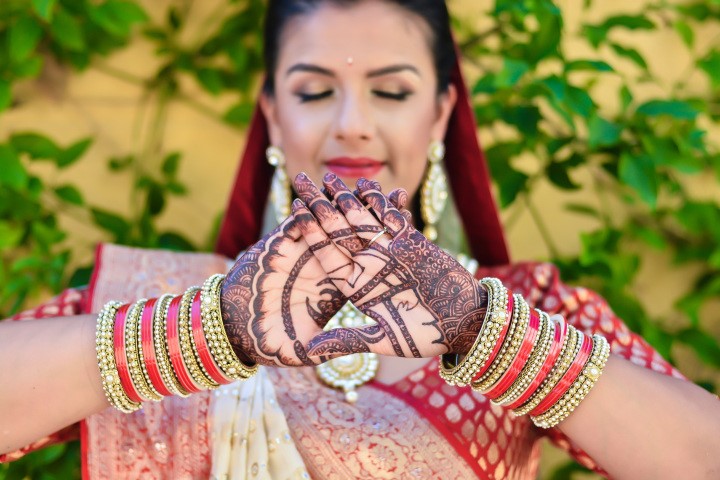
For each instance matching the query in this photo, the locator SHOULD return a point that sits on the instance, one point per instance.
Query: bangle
(580, 388)
(560, 333)
(161, 343)
(477, 357)
(568, 378)
(201, 346)
(121, 360)
(567, 353)
(534, 363)
(175, 350)
(521, 358)
(520, 322)
(133, 347)
(187, 344)
(148, 344)
(214, 330)
(114, 391)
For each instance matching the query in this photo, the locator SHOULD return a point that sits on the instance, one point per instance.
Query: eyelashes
(312, 97)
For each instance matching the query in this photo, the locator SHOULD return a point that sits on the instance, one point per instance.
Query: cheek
(410, 151)
(302, 140)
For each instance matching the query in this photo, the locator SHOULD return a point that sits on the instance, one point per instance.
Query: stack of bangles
(526, 361)
(165, 346)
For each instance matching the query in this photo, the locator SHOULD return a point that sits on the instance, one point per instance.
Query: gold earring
(280, 195)
(434, 192)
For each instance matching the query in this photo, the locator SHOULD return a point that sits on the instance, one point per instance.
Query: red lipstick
(355, 167)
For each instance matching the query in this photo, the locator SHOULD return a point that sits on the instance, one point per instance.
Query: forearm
(639, 424)
(49, 377)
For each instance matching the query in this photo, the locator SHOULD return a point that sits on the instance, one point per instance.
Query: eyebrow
(309, 67)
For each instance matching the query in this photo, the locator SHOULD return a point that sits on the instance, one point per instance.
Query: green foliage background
(635, 159)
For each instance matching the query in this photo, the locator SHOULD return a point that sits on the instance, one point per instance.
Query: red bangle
(570, 376)
(561, 328)
(181, 371)
(521, 358)
(501, 338)
(121, 356)
(148, 345)
(208, 362)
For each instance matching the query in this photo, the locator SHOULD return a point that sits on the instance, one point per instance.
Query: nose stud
(349, 61)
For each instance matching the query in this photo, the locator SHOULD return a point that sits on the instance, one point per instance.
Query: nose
(354, 122)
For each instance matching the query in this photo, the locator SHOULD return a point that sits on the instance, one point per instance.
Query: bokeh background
(123, 121)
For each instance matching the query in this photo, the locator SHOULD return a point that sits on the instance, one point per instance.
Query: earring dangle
(434, 191)
(280, 195)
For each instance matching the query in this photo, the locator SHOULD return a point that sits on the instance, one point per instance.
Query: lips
(354, 167)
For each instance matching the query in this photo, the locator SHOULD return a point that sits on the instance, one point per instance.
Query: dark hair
(433, 12)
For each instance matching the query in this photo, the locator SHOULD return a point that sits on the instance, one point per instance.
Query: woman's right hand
(276, 299)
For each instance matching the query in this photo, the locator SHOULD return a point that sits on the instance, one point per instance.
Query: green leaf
(35, 145)
(639, 173)
(211, 80)
(111, 222)
(10, 235)
(155, 199)
(80, 277)
(626, 97)
(66, 30)
(44, 8)
(5, 94)
(175, 241)
(524, 117)
(70, 194)
(579, 101)
(685, 32)
(583, 210)
(631, 54)
(71, 154)
(557, 173)
(704, 345)
(24, 36)
(117, 16)
(602, 133)
(239, 114)
(511, 73)
(631, 22)
(591, 65)
(711, 65)
(12, 173)
(171, 163)
(675, 108)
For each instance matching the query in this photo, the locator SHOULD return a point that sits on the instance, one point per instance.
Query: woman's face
(356, 94)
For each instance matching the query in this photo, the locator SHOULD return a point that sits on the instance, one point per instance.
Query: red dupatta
(464, 162)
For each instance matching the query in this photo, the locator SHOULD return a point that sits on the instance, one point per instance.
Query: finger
(400, 199)
(339, 342)
(390, 216)
(336, 263)
(360, 219)
(331, 220)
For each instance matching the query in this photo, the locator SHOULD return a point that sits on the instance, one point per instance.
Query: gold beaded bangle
(580, 388)
(162, 355)
(535, 361)
(495, 318)
(134, 353)
(214, 330)
(187, 343)
(521, 319)
(571, 346)
(114, 391)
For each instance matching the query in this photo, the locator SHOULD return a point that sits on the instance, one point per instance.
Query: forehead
(372, 32)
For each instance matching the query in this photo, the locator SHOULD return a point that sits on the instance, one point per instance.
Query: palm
(277, 298)
(424, 302)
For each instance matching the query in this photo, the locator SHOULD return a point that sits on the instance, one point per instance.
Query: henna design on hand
(415, 291)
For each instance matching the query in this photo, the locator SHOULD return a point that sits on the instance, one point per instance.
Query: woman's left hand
(424, 302)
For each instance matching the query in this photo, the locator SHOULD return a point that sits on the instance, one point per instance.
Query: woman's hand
(276, 299)
(424, 302)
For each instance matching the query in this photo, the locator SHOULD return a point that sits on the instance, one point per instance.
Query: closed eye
(310, 97)
(399, 96)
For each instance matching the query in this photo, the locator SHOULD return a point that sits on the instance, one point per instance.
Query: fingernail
(329, 177)
(297, 203)
(301, 176)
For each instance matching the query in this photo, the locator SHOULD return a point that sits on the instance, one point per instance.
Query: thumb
(339, 342)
